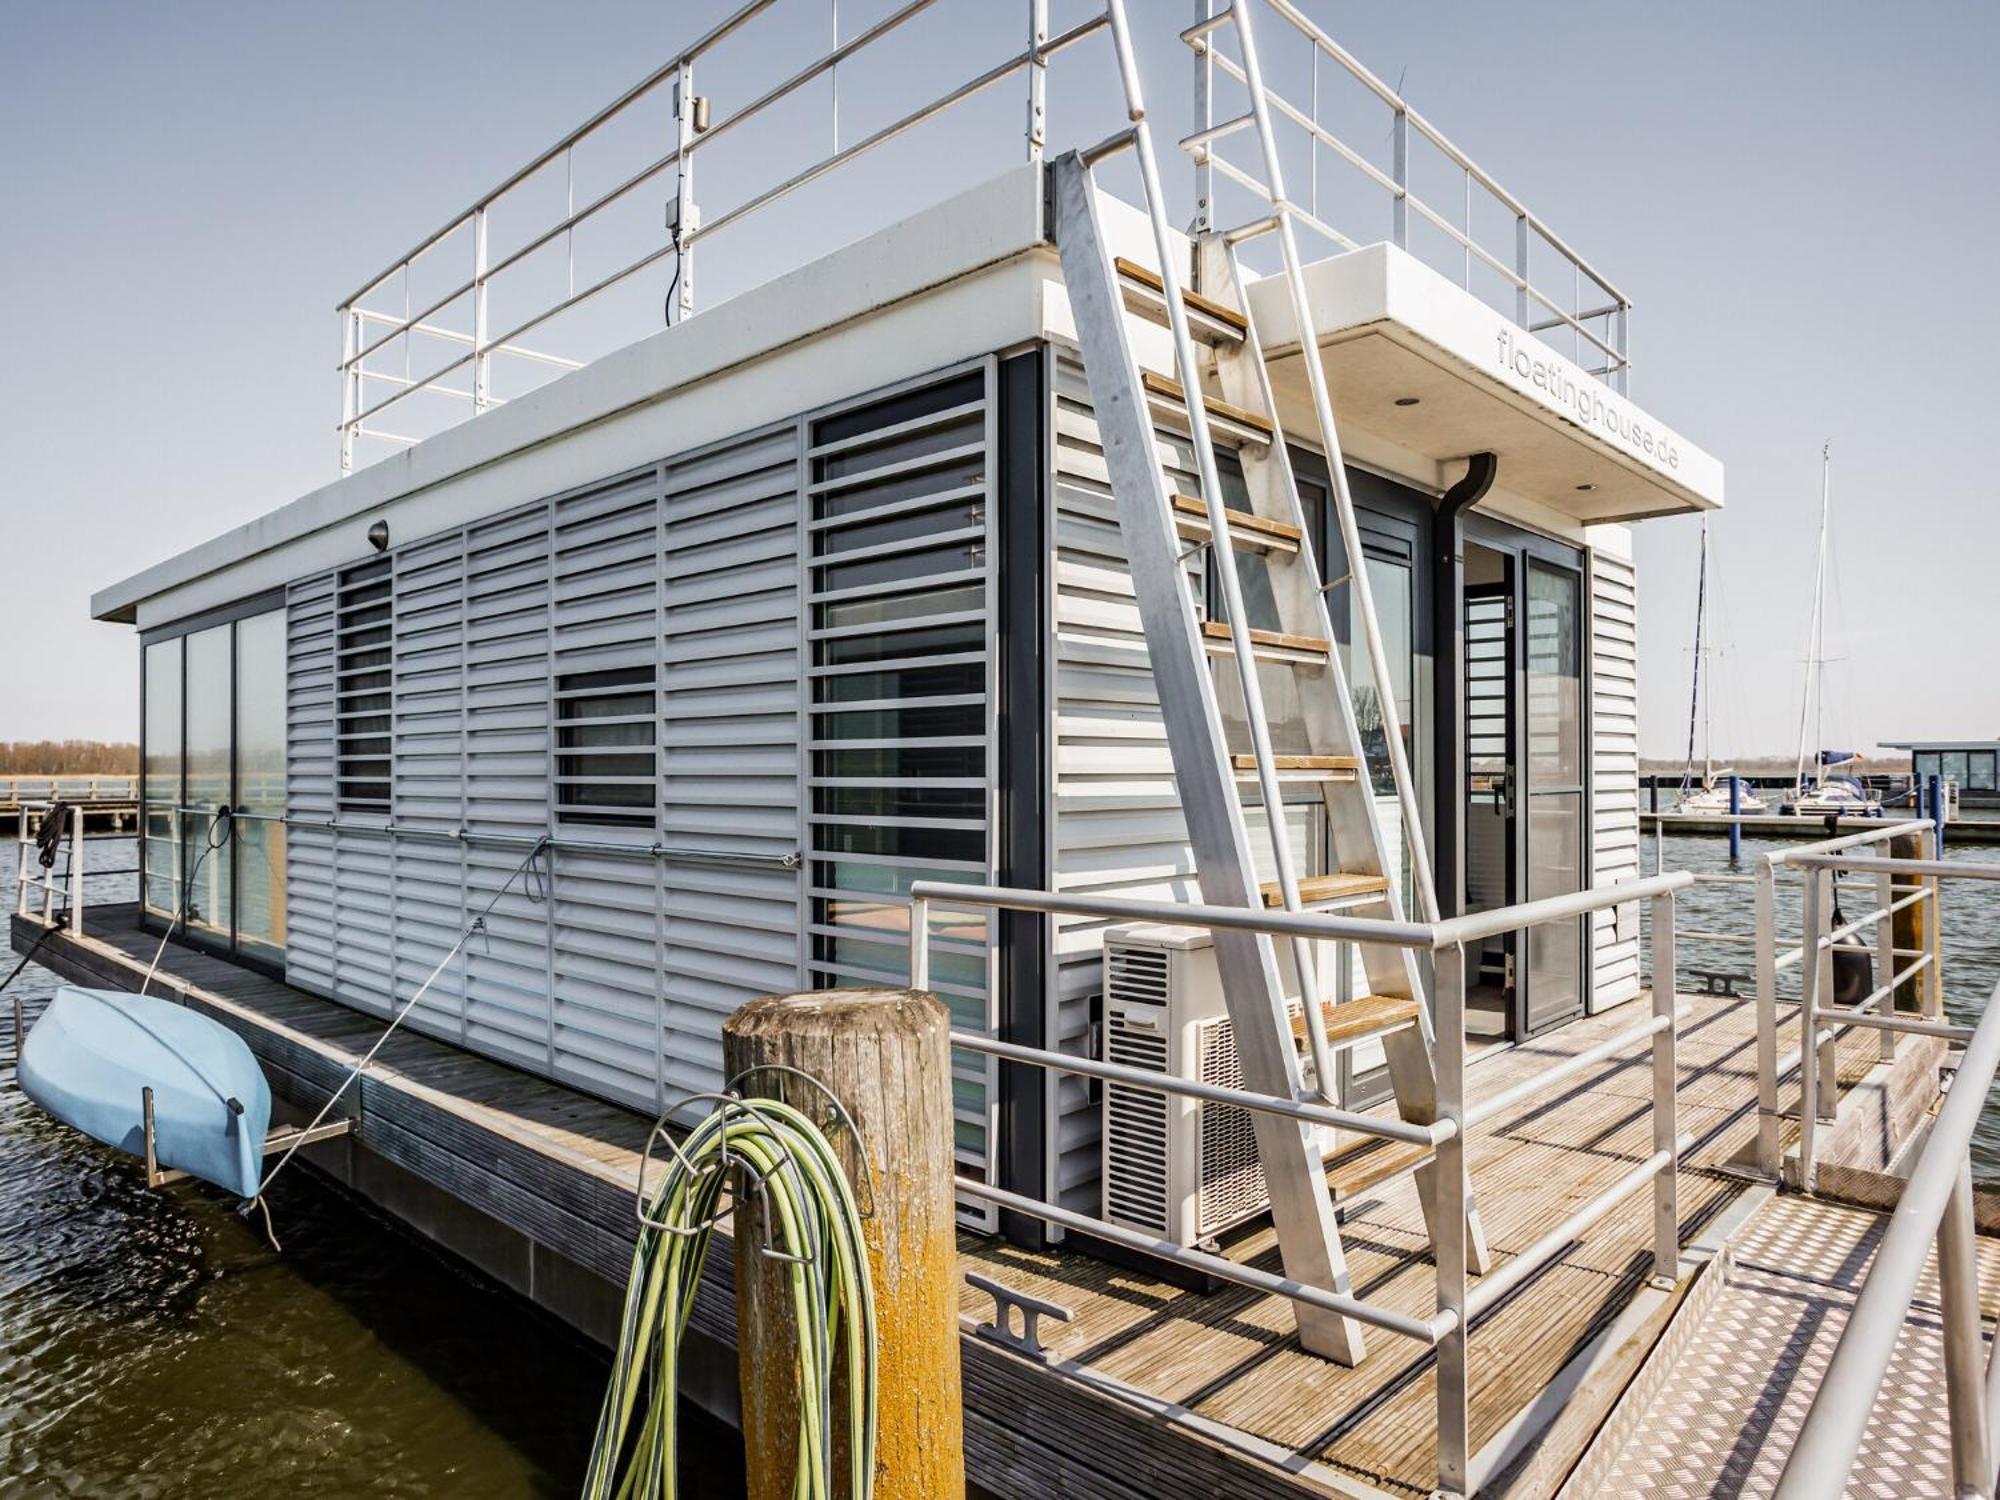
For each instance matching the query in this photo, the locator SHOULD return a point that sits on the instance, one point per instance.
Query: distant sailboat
(1823, 794)
(1711, 798)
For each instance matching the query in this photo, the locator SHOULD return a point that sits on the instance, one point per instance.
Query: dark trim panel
(222, 614)
(1023, 749)
(1448, 683)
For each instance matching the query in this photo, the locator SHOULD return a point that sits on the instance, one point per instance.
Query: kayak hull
(92, 1053)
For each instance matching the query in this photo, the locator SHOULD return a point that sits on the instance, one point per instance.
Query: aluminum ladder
(1208, 669)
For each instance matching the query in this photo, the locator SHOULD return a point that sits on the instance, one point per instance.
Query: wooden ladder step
(1208, 320)
(1342, 885)
(1356, 1020)
(1250, 533)
(1224, 420)
(1353, 1170)
(1269, 645)
(1300, 767)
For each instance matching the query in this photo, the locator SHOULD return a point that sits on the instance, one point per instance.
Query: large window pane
(208, 776)
(1390, 580)
(1555, 679)
(162, 766)
(260, 783)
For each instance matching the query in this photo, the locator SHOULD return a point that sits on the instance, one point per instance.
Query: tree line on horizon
(67, 758)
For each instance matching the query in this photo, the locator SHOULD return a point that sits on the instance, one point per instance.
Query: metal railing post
(76, 872)
(920, 943)
(1448, 1229)
(350, 345)
(1885, 951)
(1768, 1138)
(684, 209)
(1399, 213)
(1815, 978)
(1204, 118)
(1958, 1294)
(1521, 269)
(482, 361)
(21, 848)
(1666, 1080)
(1933, 929)
(1038, 78)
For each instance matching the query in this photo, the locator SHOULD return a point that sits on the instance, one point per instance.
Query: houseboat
(1022, 542)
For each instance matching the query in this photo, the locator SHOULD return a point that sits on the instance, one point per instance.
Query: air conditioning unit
(1176, 1167)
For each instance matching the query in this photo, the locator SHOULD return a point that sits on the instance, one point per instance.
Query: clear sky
(1798, 196)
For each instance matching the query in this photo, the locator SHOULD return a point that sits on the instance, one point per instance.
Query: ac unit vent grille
(1232, 1182)
(1135, 1144)
(1136, 1120)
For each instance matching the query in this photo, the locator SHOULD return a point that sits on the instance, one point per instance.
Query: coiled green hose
(815, 1228)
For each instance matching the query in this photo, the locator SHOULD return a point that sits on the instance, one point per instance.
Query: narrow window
(362, 676)
(607, 747)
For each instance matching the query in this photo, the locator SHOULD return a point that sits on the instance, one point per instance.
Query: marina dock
(1151, 1388)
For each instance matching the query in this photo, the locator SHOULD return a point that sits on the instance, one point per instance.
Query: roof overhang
(1390, 329)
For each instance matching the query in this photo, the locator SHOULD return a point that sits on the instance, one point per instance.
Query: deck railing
(425, 325)
(1935, 1209)
(1459, 1300)
(61, 888)
(1818, 1071)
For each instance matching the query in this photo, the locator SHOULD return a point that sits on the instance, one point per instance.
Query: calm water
(1971, 939)
(152, 1345)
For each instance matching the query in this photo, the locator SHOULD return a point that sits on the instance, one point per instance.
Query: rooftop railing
(1485, 236)
(558, 253)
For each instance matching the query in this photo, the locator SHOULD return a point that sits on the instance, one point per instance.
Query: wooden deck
(1153, 1389)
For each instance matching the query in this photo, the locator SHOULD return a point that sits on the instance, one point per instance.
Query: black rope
(48, 838)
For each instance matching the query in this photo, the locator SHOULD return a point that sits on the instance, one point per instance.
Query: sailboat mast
(1694, 690)
(1810, 703)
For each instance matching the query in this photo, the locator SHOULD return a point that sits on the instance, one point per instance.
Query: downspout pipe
(1448, 678)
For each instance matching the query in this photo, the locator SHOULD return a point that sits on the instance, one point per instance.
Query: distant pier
(110, 803)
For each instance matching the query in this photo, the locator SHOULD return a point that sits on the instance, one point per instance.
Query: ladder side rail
(1189, 371)
(1301, 1204)
(1331, 716)
(1350, 532)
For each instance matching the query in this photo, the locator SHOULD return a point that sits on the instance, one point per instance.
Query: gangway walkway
(1717, 1412)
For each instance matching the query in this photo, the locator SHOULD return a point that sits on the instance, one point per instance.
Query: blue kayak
(92, 1052)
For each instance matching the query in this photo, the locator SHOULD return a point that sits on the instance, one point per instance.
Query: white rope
(477, 924)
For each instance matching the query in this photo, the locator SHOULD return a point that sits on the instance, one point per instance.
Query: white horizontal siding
(1614, 772)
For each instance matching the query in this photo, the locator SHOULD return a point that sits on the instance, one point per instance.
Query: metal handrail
(1458, 1301)
(1935, 1207)
(1772, 1071)
(694, 131)
(70, 882)
(1614, 312)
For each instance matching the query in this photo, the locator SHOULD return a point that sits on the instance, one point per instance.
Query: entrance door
(1523, 743)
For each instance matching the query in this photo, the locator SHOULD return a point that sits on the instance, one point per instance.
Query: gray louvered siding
(309, 783)
(619, 982)
(732, 732)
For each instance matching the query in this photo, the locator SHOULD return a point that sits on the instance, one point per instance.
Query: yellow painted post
(886, 1055)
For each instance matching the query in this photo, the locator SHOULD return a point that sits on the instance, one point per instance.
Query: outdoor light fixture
(378, 536)
(1585, 488)
(1406, 400)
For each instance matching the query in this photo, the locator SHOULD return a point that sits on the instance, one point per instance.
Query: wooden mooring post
(886, 1055)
